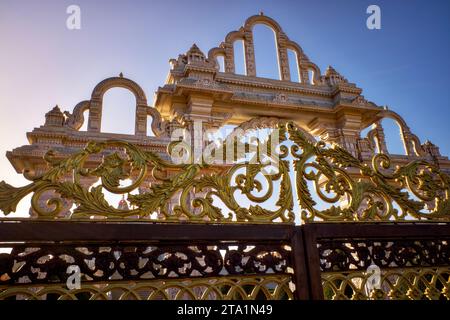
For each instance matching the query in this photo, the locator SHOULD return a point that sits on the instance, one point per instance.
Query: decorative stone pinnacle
(54, 117)
(195, 54)
(333, 77)
(195, 48)
(261, 13)
(121, 75)
(331, 71)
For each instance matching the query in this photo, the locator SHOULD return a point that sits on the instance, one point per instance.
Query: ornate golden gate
(196, 252)
(339, 219)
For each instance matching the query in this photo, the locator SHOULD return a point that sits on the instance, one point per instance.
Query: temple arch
(266, 57)
(262, 19)
(283, 44)
(96, 103)
(213, 55)
(116, 115)
(239, 57)
(121, 82)
(85, 116)
(411, 142)
(392, 131)
(220, 60)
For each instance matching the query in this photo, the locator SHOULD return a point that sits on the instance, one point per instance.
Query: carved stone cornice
(276, 85)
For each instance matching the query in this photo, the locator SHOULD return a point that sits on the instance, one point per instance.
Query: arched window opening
(119, 110)
(392, 135)
(239, 57)
(293, 66)
(150, 132)
(266, 55)
(86, 120)
(221, 61)
(311, 76)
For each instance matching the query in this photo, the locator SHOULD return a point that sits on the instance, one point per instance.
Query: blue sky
(405, 65)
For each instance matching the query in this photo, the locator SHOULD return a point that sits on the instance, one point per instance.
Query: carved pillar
(249, 53)
(283, 57)
(196, 120)
(348, 132)
(229, 57)
(304, 76)
(349, 140)
(364, 149)
(381, 140)
(407, 141)
(140, 128)
(95, 115)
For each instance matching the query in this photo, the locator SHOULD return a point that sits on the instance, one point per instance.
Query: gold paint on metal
(272, 287)
(416, 191)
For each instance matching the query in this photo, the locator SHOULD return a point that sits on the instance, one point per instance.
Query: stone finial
(195, 55)
(195, 50)
(330, 71)
(431, 149)
(54, 118)
(261, 13)
(333, 77)
(121, 75)
(173, 63)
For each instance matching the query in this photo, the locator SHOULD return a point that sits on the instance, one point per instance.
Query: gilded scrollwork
(324, 176)
(378, 192)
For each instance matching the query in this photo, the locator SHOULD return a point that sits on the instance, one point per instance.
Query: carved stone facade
(327, 106)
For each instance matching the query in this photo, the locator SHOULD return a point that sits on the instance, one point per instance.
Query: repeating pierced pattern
(409, 269)
(49, 263)
(396, 284)
(272, 287)
(359, 254)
